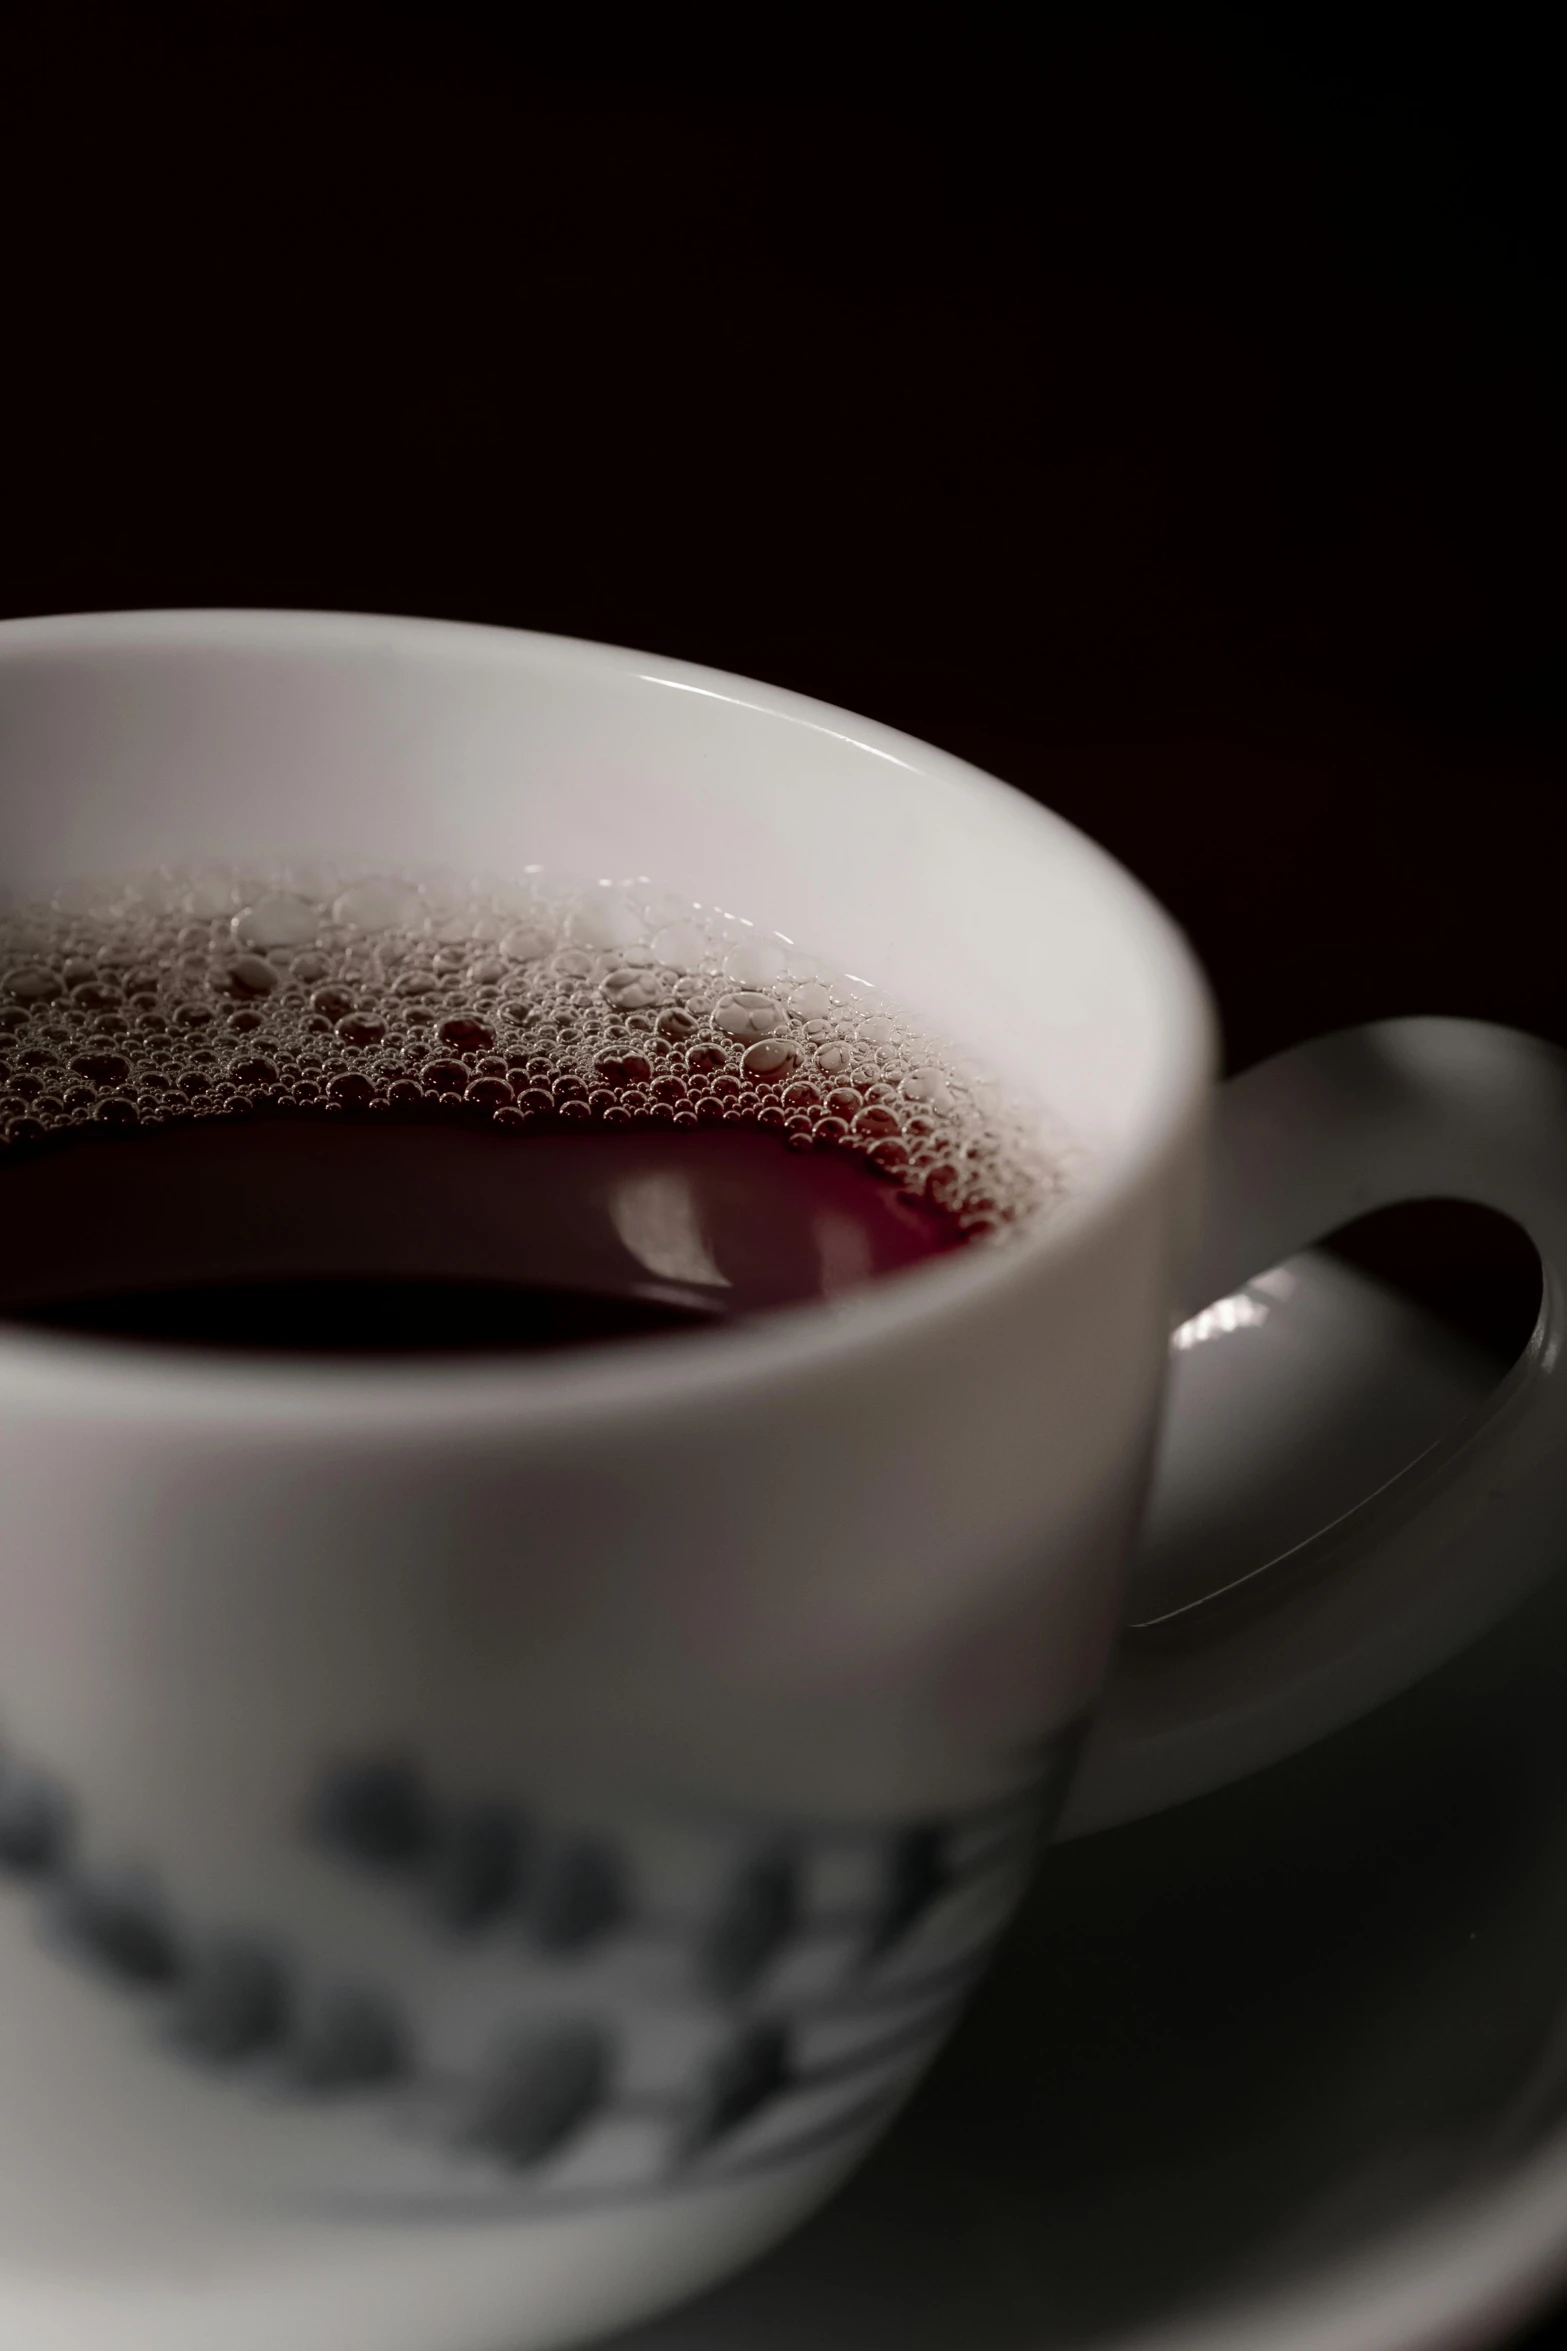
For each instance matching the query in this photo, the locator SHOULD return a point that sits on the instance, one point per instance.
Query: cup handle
(1403, 1110)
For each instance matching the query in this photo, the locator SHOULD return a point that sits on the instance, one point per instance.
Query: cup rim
(598, 1381)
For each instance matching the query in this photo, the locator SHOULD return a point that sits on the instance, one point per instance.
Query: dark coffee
(390, 1115)
(306, 1233)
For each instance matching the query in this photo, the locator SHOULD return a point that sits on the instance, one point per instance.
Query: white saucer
(1287, 2064)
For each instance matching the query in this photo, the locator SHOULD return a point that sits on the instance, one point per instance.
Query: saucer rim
(1481, 2261)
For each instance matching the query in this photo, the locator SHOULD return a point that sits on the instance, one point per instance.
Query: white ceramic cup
(769, 1649)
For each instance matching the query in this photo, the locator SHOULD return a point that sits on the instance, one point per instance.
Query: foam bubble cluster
(220, 994)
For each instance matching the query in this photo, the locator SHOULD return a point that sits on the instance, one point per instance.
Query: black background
(1161, 407)
(1166, 415)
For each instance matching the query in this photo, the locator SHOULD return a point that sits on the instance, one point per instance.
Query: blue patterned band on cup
(582, 2021)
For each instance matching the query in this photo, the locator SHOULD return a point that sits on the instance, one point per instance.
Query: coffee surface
(309, 1233)
(397, 1114)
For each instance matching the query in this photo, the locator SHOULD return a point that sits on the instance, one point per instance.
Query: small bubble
(834, 1059)
(660, 906)
(334, 1002)
(811, 1001)
(209, 895)
(359, 1029)
(248, 975)
(752, 962)
(682, 945)
(526, 942)
(631, 990)
(605, 919)
(773, 1058)
(610, 1069)
(278, 920)
(379, 905)
(31, 983)
(104, 1069)
(930, 1087)
(466, 1036)
(747, 1014)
